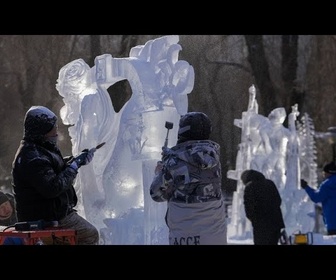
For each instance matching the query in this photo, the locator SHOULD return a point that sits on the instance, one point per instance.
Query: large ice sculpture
(114, 189)
(278, 152)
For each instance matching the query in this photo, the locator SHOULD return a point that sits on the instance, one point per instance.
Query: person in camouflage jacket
(189, 179)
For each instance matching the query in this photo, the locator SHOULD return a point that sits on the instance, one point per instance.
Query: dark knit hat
(194, 126)
(38, 121)
(3, 197)
(250, 175)
(330, 168)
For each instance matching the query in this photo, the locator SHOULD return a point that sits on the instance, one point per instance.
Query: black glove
(84, 157)
(304, 184)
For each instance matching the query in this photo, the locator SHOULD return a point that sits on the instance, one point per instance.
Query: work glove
(84, 158)
(158, 168)
(304, 184)
(166, 152)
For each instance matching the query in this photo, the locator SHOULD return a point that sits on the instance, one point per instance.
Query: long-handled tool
(98, 147)
(82, 156)
(168, 125)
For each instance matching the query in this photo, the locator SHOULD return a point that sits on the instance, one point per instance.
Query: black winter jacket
(262, 202)
(42, 182)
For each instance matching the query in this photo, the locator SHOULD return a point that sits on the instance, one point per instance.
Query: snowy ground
(313, 239)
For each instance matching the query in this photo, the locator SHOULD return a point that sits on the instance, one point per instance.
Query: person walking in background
(189, 179)
(326, 194)
(43, 179)
(262, 203)
(7, 209)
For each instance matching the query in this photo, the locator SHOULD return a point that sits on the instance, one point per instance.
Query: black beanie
(38, 121)
(3, 198)
(194, 126)
(330, 168)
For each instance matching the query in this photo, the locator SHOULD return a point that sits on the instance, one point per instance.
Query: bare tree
(260, 69)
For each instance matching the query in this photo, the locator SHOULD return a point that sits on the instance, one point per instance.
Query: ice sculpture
(114, 189)
(89, 112)
(278, 152)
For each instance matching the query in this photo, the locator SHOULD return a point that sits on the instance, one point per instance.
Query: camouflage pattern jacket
(191, 173)
(190, 181)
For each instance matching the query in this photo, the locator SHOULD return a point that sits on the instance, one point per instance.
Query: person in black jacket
(262, 203)
(43, 178)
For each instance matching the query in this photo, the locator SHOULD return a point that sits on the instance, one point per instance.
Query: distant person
(189, 179)
(326, 194)
(8, 217)
(262, 203)
(43, 178)
(7, 209)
